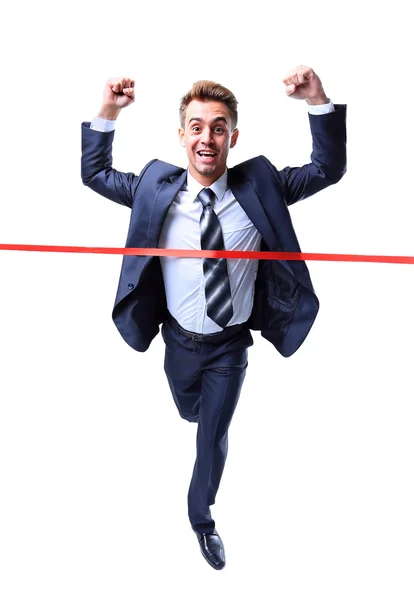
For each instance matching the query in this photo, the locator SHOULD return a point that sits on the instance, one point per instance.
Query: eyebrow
(213, 121)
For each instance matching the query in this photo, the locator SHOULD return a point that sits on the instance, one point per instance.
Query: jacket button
(130, 286)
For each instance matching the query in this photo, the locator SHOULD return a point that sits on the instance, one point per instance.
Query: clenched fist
(118, 93)
(303, 83)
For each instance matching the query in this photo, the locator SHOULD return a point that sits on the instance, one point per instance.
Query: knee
(191, 417)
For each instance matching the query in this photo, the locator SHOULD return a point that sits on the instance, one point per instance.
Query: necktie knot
(206, 197)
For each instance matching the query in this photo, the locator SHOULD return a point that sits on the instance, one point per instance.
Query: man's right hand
(118, 93)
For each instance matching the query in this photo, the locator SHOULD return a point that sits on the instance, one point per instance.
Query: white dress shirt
(184, 277)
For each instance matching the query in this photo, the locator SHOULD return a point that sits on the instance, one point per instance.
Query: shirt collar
(219, 187)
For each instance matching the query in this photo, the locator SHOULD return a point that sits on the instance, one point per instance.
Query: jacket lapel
(248, 199)
(166, 194)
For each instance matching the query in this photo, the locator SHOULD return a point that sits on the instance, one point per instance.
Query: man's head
(208, 117)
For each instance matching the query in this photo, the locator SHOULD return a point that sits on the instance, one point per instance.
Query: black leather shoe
(212, 549)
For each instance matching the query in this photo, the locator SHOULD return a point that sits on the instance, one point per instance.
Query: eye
(195, 128)
(219, 129)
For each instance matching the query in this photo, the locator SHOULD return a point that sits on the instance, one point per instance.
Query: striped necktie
(217, 284)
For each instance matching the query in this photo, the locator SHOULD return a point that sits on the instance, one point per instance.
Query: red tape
(214, 253)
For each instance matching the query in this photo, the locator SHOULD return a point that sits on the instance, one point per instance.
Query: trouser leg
(205, 382)
(222, 381)
(182, 366)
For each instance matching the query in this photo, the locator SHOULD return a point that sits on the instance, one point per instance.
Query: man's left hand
(303, 83)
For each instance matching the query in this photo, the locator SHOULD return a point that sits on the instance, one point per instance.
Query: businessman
(207, 307)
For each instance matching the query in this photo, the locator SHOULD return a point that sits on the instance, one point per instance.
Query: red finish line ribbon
(249, 255)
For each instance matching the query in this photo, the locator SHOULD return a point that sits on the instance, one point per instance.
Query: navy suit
(285, 305)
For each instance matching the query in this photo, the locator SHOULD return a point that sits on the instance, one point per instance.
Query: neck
(205, 180)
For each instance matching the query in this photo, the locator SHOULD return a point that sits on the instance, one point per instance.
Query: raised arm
(96, 163)
(328, 138)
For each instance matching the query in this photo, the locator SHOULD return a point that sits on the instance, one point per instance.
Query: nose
(206, 136)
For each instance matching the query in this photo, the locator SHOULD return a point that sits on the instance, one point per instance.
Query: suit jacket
(285, 305)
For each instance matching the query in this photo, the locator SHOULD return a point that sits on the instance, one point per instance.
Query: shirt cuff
(103, 125)
(321, 109)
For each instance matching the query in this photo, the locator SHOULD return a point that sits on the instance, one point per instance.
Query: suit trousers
(205, 377)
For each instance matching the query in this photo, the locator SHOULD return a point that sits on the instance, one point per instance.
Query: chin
(205, 170)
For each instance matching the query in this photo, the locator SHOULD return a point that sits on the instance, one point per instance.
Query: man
(208, 306)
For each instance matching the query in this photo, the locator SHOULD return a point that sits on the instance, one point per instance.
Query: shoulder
(259, 166)
(154, 174)
(157, 171)
(160, 169)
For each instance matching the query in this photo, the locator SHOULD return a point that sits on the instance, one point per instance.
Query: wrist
(322, 99)
(110, 113)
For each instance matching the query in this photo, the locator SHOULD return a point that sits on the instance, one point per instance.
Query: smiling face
(207, 137)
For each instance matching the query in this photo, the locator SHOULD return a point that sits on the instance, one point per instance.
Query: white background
(316, 498)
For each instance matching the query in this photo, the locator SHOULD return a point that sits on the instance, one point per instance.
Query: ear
(181, 136)
(234, 137)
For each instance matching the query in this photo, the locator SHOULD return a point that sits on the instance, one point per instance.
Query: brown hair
(209, 90)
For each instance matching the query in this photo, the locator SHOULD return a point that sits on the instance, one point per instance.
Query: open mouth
(207, 156)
